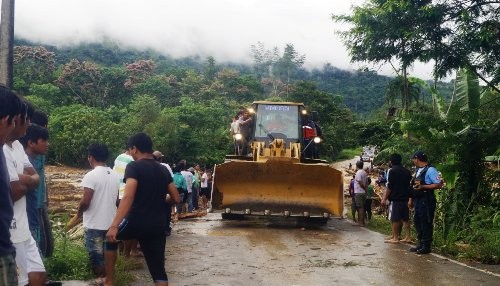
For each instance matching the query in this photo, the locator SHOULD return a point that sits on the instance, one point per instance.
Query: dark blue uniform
(425, 206)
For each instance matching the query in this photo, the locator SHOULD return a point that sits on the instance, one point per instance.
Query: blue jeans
(94, 243)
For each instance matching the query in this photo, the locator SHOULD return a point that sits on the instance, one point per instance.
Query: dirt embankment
(63, 188)
(64, 192)
(348, 168)
(63, 184)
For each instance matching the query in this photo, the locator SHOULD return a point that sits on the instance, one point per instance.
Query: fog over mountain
(224, 29)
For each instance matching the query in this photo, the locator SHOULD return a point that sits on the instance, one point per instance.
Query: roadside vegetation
(346, 154)
(457, 133)
(69, 260)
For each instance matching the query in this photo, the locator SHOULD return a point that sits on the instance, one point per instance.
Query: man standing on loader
(246, 131)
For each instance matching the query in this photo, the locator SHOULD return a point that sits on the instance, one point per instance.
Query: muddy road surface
(209, 251)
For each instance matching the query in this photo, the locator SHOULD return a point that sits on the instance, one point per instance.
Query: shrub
(74, 127)
(69, 260)
(347, 154)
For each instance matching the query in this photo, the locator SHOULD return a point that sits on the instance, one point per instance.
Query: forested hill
(362, 91)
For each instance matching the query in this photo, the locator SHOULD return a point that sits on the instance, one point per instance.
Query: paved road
(208, 251)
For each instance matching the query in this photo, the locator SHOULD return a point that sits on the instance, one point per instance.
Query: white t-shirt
(188, 176)
(235, 127)
(120, 164)
(17, 160)
(361, 176)
(169, 169)
(204, 180)
(102, 209)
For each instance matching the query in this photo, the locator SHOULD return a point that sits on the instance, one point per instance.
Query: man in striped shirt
(121, 162)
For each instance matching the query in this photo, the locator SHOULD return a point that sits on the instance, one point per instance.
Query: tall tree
(262, 60)
(7, 43)
(210, 69)
(289, 63)
(475, 41)
(83, 80)
(388, 31)
(454, 33)
(275, 69)
(34, 65)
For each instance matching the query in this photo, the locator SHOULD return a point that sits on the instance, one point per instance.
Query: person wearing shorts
(23, 178)
(10, 107)
(360, 188)
(205, 184)
(98, 205)
(397, 193)
(141, 213)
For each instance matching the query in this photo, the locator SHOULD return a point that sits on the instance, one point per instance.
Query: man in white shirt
(23, 178)
(10, 107)
(98, 204)
(235, 129)
(360, 188)
(205, 192)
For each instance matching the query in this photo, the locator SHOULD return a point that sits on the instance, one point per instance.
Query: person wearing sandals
(397, 193)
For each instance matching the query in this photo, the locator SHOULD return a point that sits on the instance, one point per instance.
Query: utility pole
(7, 43)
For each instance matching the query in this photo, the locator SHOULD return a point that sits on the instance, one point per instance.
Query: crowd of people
(132, 205)
(122, 207)
(402, 192)
(25, 234)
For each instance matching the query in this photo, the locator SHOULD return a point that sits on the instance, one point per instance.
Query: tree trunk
(406, 96)
(7, 43)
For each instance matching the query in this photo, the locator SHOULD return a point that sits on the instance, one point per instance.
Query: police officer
(426, 180)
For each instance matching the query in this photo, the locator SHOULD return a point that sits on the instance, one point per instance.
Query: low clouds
(224, 29)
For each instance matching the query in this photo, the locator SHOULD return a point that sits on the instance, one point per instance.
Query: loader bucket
(277, 188)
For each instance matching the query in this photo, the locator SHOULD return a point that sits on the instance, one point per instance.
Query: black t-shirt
(399, 183)
(149, 207)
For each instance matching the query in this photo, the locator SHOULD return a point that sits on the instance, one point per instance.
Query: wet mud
(206, 250)
(209, 251)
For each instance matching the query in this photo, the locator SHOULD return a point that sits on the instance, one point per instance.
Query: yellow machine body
(274, 180)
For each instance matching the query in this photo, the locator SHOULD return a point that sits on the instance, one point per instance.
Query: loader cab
(277, 120)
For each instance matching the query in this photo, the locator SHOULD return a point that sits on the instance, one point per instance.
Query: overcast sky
(224, 29)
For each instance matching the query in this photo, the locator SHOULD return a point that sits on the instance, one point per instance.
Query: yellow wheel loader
(270, 177)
